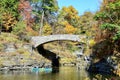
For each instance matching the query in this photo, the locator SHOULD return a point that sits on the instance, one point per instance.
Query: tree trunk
(41, 24)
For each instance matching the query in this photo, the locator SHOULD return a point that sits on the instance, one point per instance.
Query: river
(65, 73)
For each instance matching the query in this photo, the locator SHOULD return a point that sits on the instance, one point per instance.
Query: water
(65, 73)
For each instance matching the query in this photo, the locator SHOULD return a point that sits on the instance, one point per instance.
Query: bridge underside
(38, 41)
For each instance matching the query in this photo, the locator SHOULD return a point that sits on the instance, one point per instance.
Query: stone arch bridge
(39, 40)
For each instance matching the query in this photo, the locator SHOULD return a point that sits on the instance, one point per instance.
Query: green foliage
(36, 27)
(114, 6)
(71, 46)
(87, 24)
(108, 17)
(46, 12)
(117, 36)
(100, 15)
(20, 28)
(9, 6)
(108, 26)
(50, 5)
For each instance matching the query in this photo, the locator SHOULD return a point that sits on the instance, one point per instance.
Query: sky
(81, 5)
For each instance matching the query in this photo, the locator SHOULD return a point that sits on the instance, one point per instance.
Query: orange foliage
(26, 11)
(69, 28)
(32, 32)
(8, 21)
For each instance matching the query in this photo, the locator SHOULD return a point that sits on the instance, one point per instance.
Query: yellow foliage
(23, 51)
(117, 72)
(47, 30)
(91, 42)
(71, 12)
(86, 79)
(64, 22)
(8, 20)
(69, 28)
(8, 37)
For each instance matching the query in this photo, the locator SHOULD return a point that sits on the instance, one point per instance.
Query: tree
(68, 18)
(8, 13)
(69, 29)
(25, 10)
(87, 24)
(8, 21)
(47, 10)
(108, 28)
(47, 30)
(71, 15)
(19, 28)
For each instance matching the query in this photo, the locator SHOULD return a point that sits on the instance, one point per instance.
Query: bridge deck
(38, 40)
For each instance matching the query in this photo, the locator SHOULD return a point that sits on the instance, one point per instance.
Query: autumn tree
(68, 19)
(8, 21)
(8, 14)
(71, 15)
(25, 10)
(69, 29)
(108, 29)
(47, 29)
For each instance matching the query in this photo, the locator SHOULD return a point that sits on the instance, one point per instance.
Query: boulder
(101, 67)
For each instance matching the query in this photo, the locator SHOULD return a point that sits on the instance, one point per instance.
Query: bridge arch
(39, 40)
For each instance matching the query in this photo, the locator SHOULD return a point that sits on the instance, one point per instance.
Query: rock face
(28, 47)
(102, 67)
(9, 47)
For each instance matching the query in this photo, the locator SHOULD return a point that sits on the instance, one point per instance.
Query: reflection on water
(65, 73)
